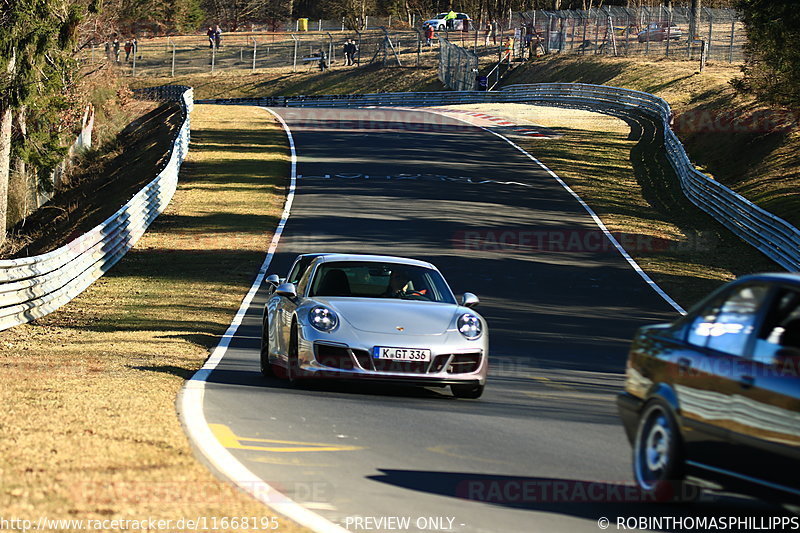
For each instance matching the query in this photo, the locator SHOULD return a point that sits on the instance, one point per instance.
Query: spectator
(323, 60)
(210, 34)
(449, 19)
(428, 34)
(128, 48)
(487, 32)
(217, 36)
(350, 50)
(115, 46)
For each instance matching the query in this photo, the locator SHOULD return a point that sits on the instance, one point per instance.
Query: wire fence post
(733, 37)
(710, 31)
(669, 27)
(331, 49)
(213, 57)
(294, 60)
(255, 49)
(419, 44)
(172, 70)
(135, 52)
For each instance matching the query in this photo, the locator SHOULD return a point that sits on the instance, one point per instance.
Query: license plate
(401, 354)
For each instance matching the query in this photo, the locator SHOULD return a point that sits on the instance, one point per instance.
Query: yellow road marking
(230, 440)
(547, 382)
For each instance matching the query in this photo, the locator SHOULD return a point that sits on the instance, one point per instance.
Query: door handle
(684, 363)
(747, 381)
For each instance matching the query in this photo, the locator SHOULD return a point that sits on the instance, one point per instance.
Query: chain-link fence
(458, 67)
(256, 51)
(656, 31)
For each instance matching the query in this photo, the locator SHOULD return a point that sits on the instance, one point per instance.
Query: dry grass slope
(88, 425)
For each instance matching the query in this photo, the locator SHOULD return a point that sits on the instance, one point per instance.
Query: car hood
(384, 315)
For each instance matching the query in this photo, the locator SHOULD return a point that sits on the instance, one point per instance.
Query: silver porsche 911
(373, 317)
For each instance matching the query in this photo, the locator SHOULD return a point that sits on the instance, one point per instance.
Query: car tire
(266, 367)
(658, 461)
(471, 392)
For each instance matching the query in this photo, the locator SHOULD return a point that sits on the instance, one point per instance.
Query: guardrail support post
(255, 49)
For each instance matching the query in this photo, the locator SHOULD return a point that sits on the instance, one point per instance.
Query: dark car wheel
(657, 454)
(266, 367)
(467, 391)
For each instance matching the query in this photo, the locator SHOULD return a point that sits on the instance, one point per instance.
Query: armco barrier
(32, 287)
(776, 238)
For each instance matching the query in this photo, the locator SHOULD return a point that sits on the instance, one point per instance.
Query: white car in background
(438, 22)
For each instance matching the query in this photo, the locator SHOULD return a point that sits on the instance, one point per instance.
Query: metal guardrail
(32, 287)
(773, 236)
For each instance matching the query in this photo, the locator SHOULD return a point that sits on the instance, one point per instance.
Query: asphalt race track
(543, 449)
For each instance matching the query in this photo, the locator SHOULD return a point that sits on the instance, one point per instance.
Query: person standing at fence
(450, 20)
(323, 60)
(217, 36)
(115, 46)
(428, 34)
(508, 49)
(210, 34)
(487, 33)
(128, 48)
(350, 49)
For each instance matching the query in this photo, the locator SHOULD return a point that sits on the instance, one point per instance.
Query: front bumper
(451, 364)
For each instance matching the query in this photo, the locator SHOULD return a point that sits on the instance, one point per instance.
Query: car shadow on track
(577, 498)
(351, 387)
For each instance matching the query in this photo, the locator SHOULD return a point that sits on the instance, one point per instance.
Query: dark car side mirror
(786, 354)
(273, 279)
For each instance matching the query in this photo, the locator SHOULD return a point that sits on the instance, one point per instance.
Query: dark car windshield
(366, 279)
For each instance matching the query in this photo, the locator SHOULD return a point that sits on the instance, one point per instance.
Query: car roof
(328, 258)
(775, 277)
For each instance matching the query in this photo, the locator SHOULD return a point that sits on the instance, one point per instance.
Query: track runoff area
(543, 449)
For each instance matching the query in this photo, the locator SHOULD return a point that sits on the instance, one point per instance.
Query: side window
(292, 277)
(726, 325)
(299, 269)
(781, 328)
(302, 283)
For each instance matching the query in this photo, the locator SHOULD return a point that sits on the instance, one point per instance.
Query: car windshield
(367, 279)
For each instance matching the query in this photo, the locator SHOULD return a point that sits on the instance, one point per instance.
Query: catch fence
(645, 31)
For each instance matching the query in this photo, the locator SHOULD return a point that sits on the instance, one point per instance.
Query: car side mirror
(469, 300)
(273, 279)
(286, 289)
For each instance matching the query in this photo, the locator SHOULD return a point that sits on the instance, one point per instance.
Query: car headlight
(469, 326)
(322, 318)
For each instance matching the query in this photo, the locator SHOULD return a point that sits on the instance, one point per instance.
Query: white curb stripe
(647, 279)
(190, 400)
